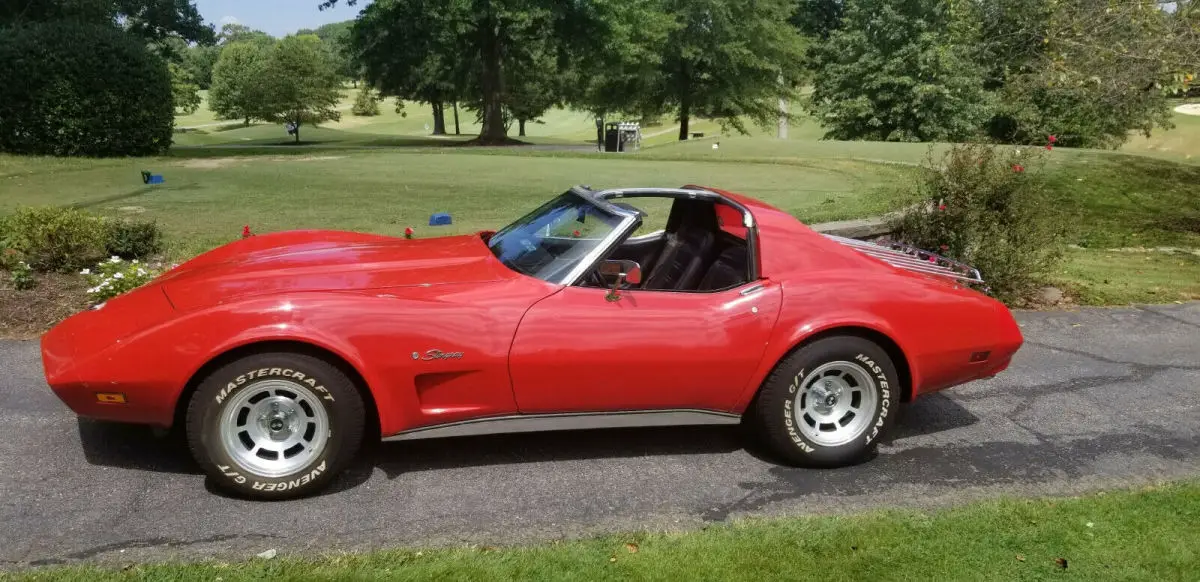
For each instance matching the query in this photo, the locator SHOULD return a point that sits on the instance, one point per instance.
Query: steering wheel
(594, 277)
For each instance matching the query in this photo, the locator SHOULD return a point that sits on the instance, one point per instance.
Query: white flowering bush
(116, 276)
(22, 277)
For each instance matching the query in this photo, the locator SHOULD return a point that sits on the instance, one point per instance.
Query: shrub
(69, 88)
(987, 206)
(366, 104)
(133, 239)
(22, 277)
(54, 238)
(116, 276)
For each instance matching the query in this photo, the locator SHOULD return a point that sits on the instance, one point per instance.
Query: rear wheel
(829, 403)
(275, 425)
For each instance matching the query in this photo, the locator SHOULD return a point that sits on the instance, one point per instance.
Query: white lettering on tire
(300, 481)
(884, 405)
(789, 419)
(885, 394)
(241, 380)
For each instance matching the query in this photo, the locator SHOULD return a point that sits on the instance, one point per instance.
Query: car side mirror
(622, 271)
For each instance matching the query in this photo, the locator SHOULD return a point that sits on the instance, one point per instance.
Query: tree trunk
(297, 132)
(492, 82)
(521, 124)
(684, 107)
(439, 118)
(782, 132)
(456, 132)
(247, 122)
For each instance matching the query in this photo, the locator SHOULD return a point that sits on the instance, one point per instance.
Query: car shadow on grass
(143, 448)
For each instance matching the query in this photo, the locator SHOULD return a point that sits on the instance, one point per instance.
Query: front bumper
(93, 356)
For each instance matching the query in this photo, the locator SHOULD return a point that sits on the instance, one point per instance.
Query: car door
(575, 351)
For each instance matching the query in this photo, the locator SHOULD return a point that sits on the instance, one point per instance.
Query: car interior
(692, 253)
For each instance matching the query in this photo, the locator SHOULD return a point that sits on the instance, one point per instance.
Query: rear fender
(791, 334)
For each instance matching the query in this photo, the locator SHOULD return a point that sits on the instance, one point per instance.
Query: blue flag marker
(439, 219)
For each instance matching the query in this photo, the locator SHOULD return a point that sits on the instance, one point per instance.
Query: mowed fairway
(206, 200)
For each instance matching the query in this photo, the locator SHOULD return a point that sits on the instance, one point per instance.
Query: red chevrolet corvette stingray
(278, 353)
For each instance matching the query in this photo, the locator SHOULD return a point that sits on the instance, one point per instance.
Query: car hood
(298, 261)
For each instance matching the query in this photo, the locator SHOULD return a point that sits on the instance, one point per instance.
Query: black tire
(774, 409)
(333, 392)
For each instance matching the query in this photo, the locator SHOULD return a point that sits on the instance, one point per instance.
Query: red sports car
(279, 353)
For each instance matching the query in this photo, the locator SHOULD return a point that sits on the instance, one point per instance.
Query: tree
(474, 39)
(97, 91)
(335, 37)
(533, 88)
(729, 59)
(895, 71)
(199, 61)
(237, 81)
(412, 49)
(299, 84)
(366, 103)
(1087, 72)
(819, 18)
(234, 33)
(185, 94)
(152, 20)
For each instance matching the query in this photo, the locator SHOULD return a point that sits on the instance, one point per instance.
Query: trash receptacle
(612, 140)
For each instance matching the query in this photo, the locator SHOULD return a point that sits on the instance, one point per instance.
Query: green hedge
(72, 89)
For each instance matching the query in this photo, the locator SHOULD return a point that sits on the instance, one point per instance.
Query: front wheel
(275, 425)
(829, 403)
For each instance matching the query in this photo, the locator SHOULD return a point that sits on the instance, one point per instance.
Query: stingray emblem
(437, 355)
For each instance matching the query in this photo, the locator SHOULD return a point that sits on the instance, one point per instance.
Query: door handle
(752, 289)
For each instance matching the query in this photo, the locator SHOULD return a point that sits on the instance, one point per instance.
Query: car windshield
(552, 240)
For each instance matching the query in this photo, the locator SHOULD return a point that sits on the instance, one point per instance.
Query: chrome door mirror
(621, 271)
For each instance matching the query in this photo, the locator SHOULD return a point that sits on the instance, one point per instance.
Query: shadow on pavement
(143, 448)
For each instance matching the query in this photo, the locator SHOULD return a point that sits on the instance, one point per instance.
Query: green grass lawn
(1148, 534)
(353, 175)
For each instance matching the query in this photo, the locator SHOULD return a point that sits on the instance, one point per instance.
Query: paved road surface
(1097, 398)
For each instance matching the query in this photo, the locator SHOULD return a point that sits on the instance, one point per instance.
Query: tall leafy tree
(152, 20)
(1085, 71)
(185, 94)
(898, 71)
(484, 39)
(199, 61)
(299, 84)
(819, 18)
(415, 50)
(729, 60)
(335, 37)
(235, 32)
(236, 91)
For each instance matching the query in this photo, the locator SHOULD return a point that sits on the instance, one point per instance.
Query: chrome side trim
(567, 421)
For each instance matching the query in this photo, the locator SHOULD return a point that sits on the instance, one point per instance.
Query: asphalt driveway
(1096, 398)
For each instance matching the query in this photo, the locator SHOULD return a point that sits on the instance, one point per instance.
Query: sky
(275, 17)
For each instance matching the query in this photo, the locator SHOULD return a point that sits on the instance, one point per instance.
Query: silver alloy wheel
(274, 428)
(836, 403)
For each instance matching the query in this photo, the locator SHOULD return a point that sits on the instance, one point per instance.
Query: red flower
(945, 247)
(1018, 168)
(246, 231)
(408, 232)
(575, 234)
(941, 206)
(1049, 147)
(1053, 139)
(933, 259)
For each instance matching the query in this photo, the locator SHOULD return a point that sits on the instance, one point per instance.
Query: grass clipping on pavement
(1147, 534)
